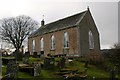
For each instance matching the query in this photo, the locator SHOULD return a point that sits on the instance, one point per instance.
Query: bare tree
(14, 30)
(114, 55)
(116, 46)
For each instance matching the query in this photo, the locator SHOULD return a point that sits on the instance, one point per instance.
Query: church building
(76, 35)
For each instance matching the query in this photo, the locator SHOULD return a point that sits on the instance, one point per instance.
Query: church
(76, 35)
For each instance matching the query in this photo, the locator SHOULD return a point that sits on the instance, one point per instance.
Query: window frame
(66, 40)
(41, 44)
(91, 40)
(33, 45)
(52, 43)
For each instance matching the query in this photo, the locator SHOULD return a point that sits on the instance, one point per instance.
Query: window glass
(91, 40)
(42, 44)
(33, 45)
(66, 40)
(52, 42)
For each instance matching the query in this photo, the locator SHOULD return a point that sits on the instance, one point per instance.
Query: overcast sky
(105, 14)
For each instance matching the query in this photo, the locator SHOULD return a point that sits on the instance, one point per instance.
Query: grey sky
(105, 14)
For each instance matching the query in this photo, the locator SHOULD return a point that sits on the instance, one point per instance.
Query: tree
(116, 46)
(114, 55)
(14, 30)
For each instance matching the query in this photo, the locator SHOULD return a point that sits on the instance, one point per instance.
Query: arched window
(66, 40)
(33, 45)
(52, 42)
(41, 44)
(91, 40)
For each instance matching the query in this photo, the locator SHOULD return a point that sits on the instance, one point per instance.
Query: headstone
(26, 58)
(18, 55)
(61, 64)
(27, 54)
(0, 65)
(112, 74)
(37, 69)
(42, 54)
(35, 55)
(12, 69)
(49, 62)
(86, 64)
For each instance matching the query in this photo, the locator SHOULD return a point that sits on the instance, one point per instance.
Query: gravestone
(18, 55)
(86, 64)
(26, 58)
(112, 74)
(42, 55)
(61, 64)
(37, 69)
(49, 62)
(27, 54)
(12, 69)
(35, 55)
(0, 65)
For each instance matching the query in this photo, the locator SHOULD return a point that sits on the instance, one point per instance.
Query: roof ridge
(70, 21)
(67, 17)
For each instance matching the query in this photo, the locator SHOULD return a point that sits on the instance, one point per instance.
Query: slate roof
(64, 23)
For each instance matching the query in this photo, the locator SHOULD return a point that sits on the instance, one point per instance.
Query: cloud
(105, 14)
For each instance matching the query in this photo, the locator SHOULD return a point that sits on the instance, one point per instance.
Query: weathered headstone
(42, 54)
(27, 54)
(112, 74)
(37, 69)
(18, 55)
(49, 62)
(35, 55)
(86, 64)
(12, 69)
(0, 65)
(26, 58)
(61, 64)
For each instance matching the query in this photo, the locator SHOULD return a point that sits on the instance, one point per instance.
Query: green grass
(31, 60)
(92, 70)
(76, 64)
(24, 75)
(3, 70)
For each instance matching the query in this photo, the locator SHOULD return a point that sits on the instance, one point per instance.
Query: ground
(93, 71)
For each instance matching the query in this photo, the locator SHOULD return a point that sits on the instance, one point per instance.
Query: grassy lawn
(92, 71)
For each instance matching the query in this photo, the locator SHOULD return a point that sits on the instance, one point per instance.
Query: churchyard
(54, 67)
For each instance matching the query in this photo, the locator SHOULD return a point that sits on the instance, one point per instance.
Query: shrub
(95, 57)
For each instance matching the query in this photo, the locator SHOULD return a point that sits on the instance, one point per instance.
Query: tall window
(91, 40)
(52, 42)
(66, 40)
(33, 45)
(41, 44)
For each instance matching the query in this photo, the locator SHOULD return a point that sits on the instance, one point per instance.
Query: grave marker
(37, 69)
(12, 69)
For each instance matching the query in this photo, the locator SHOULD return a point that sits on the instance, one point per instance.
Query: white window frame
(52, 42)
(33, 45)
(66, 40)
(91, 40)
(42, 44)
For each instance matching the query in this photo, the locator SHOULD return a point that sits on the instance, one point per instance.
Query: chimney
(42, 22)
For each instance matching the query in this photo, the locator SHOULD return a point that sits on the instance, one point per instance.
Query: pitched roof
(64, 23)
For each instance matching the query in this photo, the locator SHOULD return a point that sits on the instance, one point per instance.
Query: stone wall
(59, 35)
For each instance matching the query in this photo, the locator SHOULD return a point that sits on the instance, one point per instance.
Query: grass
(3, 70)
(92, 71)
